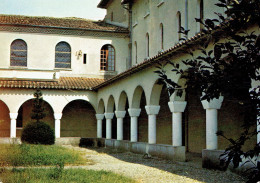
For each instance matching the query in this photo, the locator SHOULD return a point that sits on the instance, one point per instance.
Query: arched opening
(179, 24)
(78, 120)
(164, 119)
(123, 105)
(162, 36)
(136, 52)
(101, 110)
(4, 120)
(195, 122)
(147, 45)
(111, 109)
(24, 115)
(139, 101)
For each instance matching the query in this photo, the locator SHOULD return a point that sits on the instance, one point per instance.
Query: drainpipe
(186, 16)
(130, 34)
(130, 25)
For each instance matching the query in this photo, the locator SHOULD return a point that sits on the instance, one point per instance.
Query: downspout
(186, 16)
(130, 25)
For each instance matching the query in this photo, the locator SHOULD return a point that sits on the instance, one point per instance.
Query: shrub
(38, 133)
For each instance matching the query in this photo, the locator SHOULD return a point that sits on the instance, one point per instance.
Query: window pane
(62, 55)
(18, 56)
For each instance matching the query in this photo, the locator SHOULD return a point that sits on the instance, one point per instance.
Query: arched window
(147, 45)
(179, 24)
(62, 55)
(135, 52)
(18, 55)
(107, 58)
(161, 36)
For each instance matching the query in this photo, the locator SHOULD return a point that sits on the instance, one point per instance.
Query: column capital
(57, 115)
(13, 115)
(134, 112)
(177, 106)
(120, 114)
(109, 115)
(213, 103)
(100, 116)
(152, 109)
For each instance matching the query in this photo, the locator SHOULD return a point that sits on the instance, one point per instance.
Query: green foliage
(228, 70)
(67, 175)
(38, 133)
(38, 109)
(37, 155)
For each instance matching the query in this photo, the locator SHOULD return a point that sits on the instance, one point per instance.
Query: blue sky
(55, 8)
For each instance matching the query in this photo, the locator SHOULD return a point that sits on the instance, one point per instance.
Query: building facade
(98, 80)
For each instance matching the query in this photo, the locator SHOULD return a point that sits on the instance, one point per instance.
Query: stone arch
(101, 107)
(78, 119)
(155, 93)
(110, 104)
(4, 120)
(24, 115)
(122, 101)
(135, 103)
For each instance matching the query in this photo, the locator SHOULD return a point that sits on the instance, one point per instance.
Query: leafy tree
(228, 69)
(38, 132)
(38, 109)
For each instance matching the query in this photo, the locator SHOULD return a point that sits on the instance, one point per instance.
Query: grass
(37, 155)
(55, 175)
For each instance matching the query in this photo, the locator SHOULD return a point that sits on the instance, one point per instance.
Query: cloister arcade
(130, 109)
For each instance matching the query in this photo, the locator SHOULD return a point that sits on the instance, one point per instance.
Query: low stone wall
(159, 150)
(211, 160)
(8, 140)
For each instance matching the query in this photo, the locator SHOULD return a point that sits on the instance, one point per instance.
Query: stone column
(109, 117)
(57, 117)
(99, 117)
(134, 113)
(212, 122)
(13, 117)
(120, 116)
(152, 111)
(177, 108)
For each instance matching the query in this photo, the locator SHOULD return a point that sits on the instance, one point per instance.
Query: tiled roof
(51, 22)
(77, 83)
(176, 49)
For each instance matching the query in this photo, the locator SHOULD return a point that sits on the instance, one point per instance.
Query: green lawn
(37, 155)
(54, 175)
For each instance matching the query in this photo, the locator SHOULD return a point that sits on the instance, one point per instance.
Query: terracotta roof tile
(72, 22)
(78, 83)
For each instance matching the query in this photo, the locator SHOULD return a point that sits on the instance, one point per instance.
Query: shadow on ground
(191, 169)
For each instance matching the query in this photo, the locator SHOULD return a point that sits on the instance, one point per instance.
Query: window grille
(107, 58)
(62, 55)
(18, 55)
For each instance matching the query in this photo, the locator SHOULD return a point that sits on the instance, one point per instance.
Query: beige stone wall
(116, 14)
(78, 120)
(148, 15)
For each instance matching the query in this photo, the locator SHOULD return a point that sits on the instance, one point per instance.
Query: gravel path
(153, 170)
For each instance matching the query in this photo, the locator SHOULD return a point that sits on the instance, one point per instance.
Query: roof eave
(103, 4)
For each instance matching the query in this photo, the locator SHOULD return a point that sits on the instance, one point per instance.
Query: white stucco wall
(41, 52)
